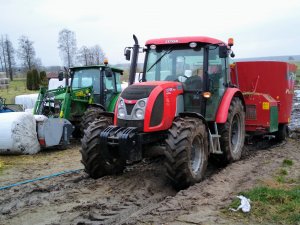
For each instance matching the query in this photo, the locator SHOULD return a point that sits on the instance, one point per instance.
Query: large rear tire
(186, 152)
(89, 116)
(98, 161)
(232, 133)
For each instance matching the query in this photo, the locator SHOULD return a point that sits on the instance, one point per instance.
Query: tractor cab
(104, 81)
(198, 63)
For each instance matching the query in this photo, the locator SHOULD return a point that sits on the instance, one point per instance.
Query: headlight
(142, 103)
(121, 102)
(121, 113)
(139, 114)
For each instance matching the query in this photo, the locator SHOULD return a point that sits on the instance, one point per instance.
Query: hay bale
(18, 133)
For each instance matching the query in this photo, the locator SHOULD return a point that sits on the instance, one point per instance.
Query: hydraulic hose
(40, 178)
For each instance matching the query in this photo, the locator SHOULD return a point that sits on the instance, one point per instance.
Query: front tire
(89, 116)
(99, 161)
(186, 152)
(232, 133)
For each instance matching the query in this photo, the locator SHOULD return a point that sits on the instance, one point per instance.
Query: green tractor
(88, 92)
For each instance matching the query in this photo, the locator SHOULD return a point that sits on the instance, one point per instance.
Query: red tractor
(186, 102)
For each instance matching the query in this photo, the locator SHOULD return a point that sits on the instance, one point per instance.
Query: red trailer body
(268, 89)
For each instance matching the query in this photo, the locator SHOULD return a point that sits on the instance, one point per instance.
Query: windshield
(174, 64)
(85, 78)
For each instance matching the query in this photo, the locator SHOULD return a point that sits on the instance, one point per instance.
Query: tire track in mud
(142, 195)
(77, 199)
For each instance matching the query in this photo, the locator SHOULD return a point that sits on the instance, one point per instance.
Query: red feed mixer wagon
(268, 89)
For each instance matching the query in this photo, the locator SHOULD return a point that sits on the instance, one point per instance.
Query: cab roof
(184, 40)
(96, 66)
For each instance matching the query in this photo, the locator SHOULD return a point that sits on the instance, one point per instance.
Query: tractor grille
(136, 92)
(129, 108)
(250, 112)
(131, 123)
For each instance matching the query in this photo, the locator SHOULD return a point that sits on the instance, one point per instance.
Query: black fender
(97, 105)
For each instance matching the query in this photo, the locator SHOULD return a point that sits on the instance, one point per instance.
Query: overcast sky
(259, 27)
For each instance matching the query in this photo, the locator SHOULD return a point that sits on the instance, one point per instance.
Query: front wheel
(97, 160)
(186, 152)
(89, 116)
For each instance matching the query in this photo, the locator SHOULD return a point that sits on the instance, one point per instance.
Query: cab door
(216, 81)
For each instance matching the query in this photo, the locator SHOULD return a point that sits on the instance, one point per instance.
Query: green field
(16, 87)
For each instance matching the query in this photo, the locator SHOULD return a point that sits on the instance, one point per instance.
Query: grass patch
(270, 205)
(277, 201)
(287, 162)
(16, 87)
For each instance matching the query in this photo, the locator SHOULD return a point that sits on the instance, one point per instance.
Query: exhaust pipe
(134, 60)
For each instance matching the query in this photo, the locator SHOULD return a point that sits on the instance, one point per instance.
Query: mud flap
(123, 139)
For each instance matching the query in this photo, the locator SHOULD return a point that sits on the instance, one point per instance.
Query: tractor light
(139, 114)
(121, 113)
(153, 47)
(193, 44)
(206, 94)
(121, 102)
(105, 62)
(142, 103)
(230, 42)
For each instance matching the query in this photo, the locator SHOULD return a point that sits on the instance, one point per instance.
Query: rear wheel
(232, 133)
(89, 116)
(282, 132)
(186, 152)
(99, 161)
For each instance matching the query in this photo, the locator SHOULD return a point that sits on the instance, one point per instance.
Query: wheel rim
(236, 132)
(196, 155)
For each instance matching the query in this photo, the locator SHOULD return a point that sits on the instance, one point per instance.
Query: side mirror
(127, 54)
(223, 51)
(60, 75)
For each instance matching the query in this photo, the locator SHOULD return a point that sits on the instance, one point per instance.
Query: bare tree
(67, 46)
(1, 61)
(83, 55)
(7, 56)
(98, 54)
(2, 44)
(90, 56)
(26, 52)
(10, 52)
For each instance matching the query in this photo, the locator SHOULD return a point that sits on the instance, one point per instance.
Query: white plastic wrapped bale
(54, 83)
(18, 133)
(28, 101)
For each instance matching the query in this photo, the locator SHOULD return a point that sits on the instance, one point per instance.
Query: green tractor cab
(89, 91)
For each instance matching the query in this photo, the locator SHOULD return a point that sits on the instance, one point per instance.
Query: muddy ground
(141, 195)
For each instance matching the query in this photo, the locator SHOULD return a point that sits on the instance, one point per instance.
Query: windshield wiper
(158, 60)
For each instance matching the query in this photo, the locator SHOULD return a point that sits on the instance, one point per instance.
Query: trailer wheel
(89, 116)
(232, 133)
(186, 152)
(282, 132)
(97, 161)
